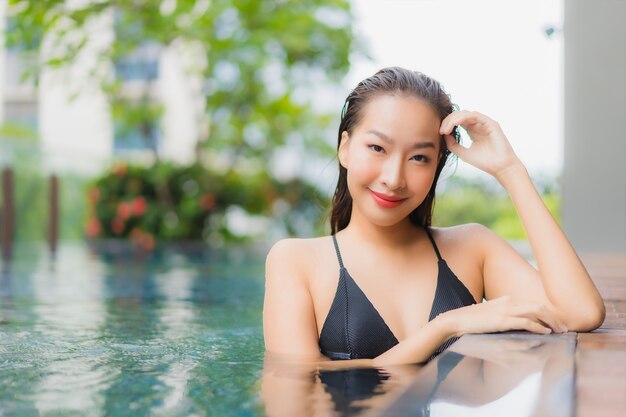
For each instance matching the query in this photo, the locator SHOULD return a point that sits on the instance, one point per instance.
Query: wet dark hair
(393, 81)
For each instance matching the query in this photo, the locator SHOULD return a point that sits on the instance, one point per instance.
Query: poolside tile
(601, 382)
(615, 315)
(601, 354)
(603, 339)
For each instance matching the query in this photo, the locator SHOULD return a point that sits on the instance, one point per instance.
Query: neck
(398, 235)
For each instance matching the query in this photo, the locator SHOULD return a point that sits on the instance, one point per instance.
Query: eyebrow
(416, 145)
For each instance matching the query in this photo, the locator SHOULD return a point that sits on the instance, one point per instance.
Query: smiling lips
(385, 200)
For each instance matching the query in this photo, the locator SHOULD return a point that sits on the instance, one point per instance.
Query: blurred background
(157, 148)
(215, 121)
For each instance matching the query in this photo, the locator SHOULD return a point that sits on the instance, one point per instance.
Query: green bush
(172, 202)
(474, 200)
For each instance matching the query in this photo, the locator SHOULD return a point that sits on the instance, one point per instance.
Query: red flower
(117, 226)
(139, 206)
(92, 229)
(207, 201)
(124, 210)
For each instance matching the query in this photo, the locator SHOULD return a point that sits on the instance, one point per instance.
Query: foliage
(254, 65)
(188, 203)
(255, 60)
(473, 200)
(31, 193)
(17, 131)
(258, 63)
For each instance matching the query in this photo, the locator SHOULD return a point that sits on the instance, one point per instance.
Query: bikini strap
(433, 242)
(338, 253)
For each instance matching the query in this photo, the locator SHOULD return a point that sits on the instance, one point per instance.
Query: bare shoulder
(295, 256)
(289, 322)
(469, 238)
(473, 238)
(463, 233)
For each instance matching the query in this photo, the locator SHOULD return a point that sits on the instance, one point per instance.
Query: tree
(256, 61)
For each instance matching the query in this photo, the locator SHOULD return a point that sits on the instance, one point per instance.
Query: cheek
(362, 166)
(422, 181)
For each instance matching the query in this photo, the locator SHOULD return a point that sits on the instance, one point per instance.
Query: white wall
(75, 124)
(181, 94)
(74, 117)
(594, 172)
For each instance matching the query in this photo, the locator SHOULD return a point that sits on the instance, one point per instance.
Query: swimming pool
(176, 334)
(179, 333)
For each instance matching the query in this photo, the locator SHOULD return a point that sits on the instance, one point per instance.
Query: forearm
(419, 346)
(416, 348)
(565, 279)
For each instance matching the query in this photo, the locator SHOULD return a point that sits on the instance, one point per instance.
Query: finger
(444, 128)
(464, 118)
(537, 312)
(555, 325)
(524, 323)
(472, 122)
(543, 316)
(551, 320)
(448, 123)
(454, 146)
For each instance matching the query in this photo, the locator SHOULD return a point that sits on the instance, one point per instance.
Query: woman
(412, 289)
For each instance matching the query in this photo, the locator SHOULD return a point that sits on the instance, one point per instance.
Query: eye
(421, 158)
(376, 148)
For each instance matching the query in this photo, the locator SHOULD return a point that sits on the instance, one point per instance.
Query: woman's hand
(489, 151)
(502, 314)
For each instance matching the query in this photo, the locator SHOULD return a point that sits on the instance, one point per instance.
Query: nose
(392, 175)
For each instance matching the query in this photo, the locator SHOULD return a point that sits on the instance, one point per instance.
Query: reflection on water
(351, 389)
(512, 374)
(299, 389)
(176, 334)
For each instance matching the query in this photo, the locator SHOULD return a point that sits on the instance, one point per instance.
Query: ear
(342, 153)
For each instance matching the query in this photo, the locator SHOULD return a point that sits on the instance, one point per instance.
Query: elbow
(587, 319)
(596, 316)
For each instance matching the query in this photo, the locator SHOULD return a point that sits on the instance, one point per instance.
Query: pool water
(111, 332)
(177, 333)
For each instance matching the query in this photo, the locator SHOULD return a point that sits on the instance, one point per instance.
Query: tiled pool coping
(601, 354)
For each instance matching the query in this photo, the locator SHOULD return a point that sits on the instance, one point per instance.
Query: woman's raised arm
(567, 285)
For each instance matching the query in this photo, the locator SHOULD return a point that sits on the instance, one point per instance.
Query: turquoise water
(179, 333)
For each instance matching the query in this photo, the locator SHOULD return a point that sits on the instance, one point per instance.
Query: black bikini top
(354, 329)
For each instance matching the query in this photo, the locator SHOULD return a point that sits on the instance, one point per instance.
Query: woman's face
(391, 157)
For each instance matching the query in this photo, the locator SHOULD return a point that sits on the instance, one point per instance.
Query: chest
(399, 297)
(354, 328)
